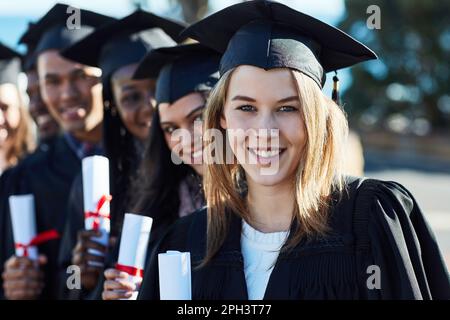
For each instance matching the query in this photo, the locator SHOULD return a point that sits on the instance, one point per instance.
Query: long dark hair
(120, 149)
(155, 190)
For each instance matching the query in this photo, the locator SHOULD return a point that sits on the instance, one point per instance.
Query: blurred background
(398, 106)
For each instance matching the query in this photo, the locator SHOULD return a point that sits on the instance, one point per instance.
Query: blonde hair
(318, 175)
(22, 139)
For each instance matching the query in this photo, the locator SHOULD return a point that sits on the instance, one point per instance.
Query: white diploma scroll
(95, 172)
(23, 220)
(133, 247)
(175, 275)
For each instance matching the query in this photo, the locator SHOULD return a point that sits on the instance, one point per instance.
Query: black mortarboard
(181, 70)
(28, 62)
(52, 30)
(124, 41)
(269, 35)
(10, 65)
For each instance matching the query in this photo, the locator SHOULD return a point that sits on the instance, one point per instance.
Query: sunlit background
(398, 106)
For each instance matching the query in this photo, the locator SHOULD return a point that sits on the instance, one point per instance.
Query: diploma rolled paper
(175, 275)
(133, 247)
(96, 198)
(23, 219)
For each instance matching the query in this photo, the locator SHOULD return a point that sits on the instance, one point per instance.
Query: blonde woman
(15, 134)
(299, 229)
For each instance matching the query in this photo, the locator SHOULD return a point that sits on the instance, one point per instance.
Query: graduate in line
(304, 231)
(15, 127)
(72, 92)
(163, 190)
(47, 127)
(15, 137)
(129, 106)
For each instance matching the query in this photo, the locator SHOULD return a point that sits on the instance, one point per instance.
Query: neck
(91, 136)
(3, 161)
(271, 207)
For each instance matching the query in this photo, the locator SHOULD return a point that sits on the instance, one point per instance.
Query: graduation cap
(124, 41)
(270, 35)
(181, 70)
(10, 65)
(53, 32)
(28, 61)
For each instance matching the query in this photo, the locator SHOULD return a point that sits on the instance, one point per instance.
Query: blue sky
(15, 14)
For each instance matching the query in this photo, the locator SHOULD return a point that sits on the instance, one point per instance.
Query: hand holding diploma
(96, 200)
(124, 281)
(83, 257)
(92, 243)
(23, 277)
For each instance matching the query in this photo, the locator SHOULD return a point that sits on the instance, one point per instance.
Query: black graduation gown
(376, 223)
(9, 184)
(48, 175)
(6, 241)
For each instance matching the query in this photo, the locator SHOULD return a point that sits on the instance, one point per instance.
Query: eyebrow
(187, 116)
(195, 110)
(288, 99)
(81, 71)
(71, 74)
(245, 98)
(51, 76)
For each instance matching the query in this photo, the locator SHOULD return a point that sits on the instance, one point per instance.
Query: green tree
(412, 75)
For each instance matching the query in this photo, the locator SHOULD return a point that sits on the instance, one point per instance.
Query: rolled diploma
(174, 275)
(23, 218)
(95, 172)
(133, 244)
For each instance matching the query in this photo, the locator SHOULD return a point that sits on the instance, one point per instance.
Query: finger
(12, 262)
(15, 261)
(90, 244)
(42, 259)
(112, 274)
(24, 294)
(82, 258)
(94, 257)
(33, 274)
(13, 274)
(116, 295)
(23, 284)
(26, 262)
(87, 234)
(120, 284)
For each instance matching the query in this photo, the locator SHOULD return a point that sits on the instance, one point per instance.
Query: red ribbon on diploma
(132, 271)
(37, 240)
(96, 214)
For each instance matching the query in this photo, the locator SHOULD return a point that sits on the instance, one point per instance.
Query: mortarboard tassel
(335, 92)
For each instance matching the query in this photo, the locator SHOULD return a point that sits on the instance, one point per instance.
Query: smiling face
(185, 113)
(134, 100)
(9, 112)
(266, 104)
(72, 92)
(46, 125)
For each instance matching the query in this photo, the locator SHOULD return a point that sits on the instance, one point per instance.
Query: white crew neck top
(260, 251)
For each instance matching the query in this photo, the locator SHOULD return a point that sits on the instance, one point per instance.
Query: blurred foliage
(411, 77)
(192, 10)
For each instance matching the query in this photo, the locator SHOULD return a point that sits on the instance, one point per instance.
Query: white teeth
(266, 154)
